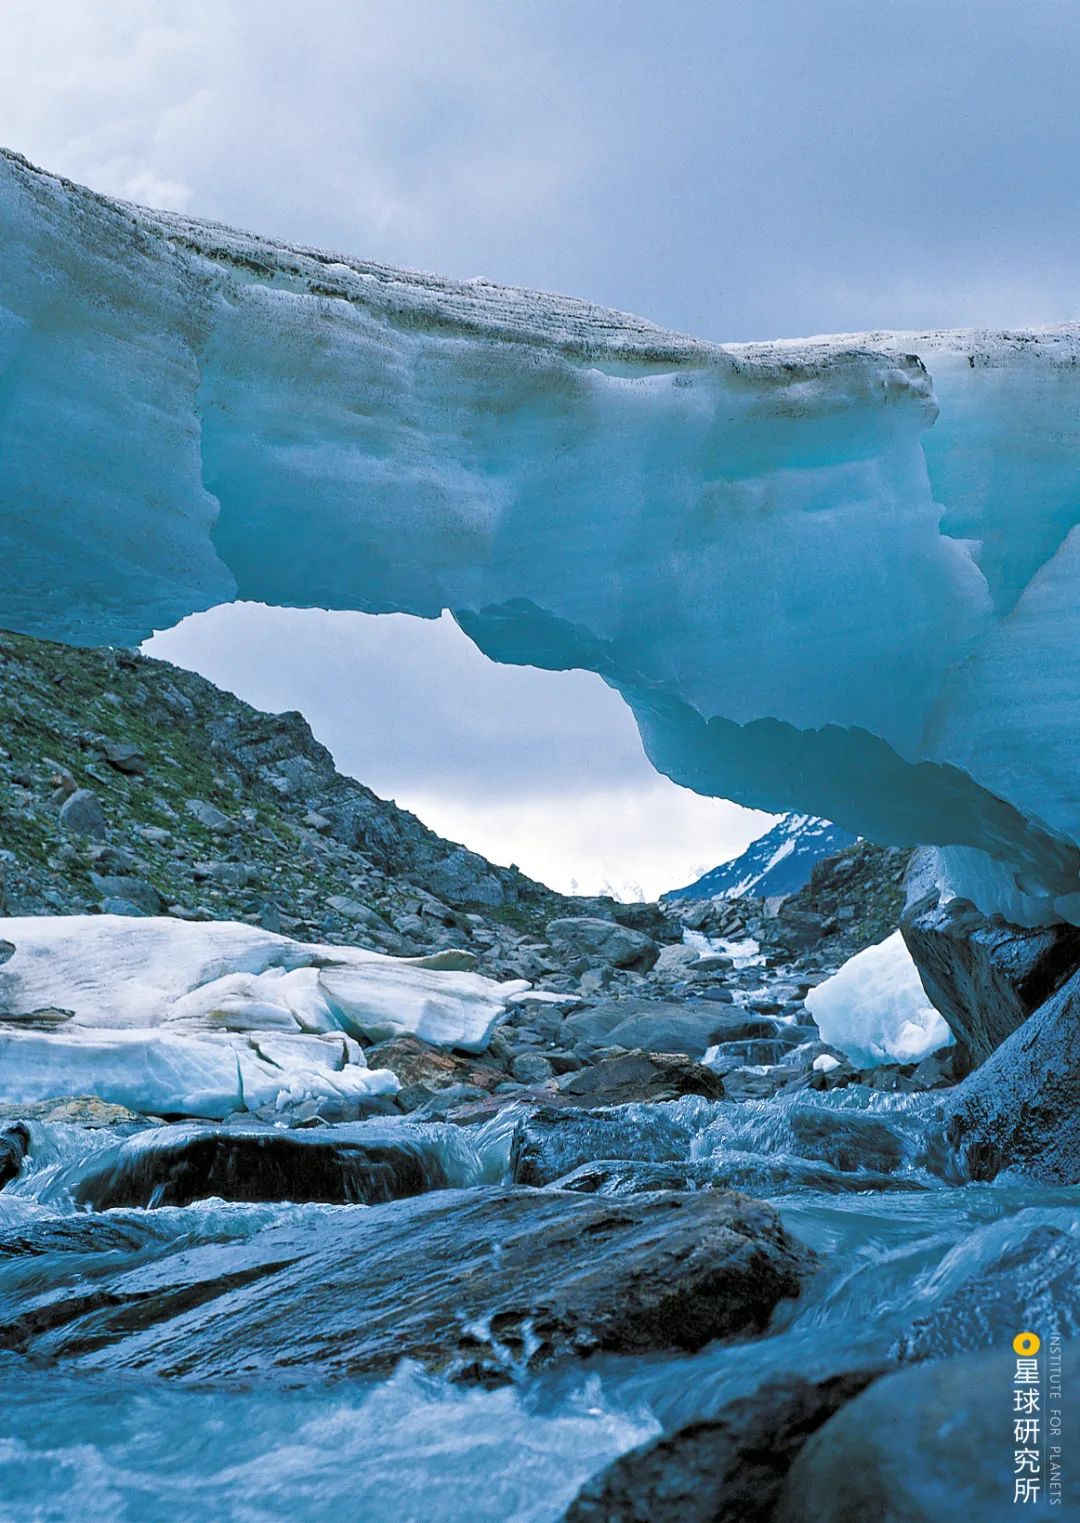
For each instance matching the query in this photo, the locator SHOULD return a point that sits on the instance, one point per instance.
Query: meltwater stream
(913, 1262)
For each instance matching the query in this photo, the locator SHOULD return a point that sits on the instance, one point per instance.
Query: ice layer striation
(839, 576)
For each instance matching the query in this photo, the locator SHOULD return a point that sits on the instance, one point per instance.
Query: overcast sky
(734, 168)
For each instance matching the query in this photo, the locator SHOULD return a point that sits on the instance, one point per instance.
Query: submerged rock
(341, 1165)
(553, 1142)
(480, 1284)
(1033, 1280)
(1019, 1110)
(749, 1171)
(984, 975)
(728, 1469)
(926, 1445)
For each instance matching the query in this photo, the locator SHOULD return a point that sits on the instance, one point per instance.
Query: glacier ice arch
(839, 575)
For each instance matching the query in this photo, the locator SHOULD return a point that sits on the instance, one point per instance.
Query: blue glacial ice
(836, 575)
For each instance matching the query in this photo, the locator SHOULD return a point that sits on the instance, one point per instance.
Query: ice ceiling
(840, 575)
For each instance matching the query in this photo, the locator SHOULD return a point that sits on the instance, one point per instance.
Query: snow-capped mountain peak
(779, 862)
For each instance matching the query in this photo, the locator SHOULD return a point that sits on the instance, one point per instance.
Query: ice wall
(810, 598)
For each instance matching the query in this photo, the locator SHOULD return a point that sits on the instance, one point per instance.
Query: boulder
(927, 1445)
(135, 891)
(663, 1026)
(1019, 1110)
(985, 976)
(126, 758)
(640, 1076)
(208, 815)
(532, 1068)
(555, 1140)
(14, 1144)
(1032, 1280)
(674, 961)
(462, 877)
(82, 815)
(726, 1469)
(417, 1062)
(483, 1285)
(367, 1164)
(607, 941)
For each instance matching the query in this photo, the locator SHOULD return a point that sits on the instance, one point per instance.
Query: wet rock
(1031, 1281)
(481, 1284)
(662, 1026)
(1018, 1110)
(606, 940)
(728, 1469)
(762, 1051)
(14, 1144)
(984, 975)
(849, 1140)
(931, 1444)
(556, 1140)
(755, 1173)
(82, 815)
(749, 1084)
(342, 1165)
(640, 1076)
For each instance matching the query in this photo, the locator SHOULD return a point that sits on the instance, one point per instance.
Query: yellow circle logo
(1027, 1344)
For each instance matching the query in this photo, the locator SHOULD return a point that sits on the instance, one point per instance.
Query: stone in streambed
(640, 1077)
(14, 1145)
(555, 1140)
(662, 1026)
(1032, 1280)
(727, 1469)
(480, 1284)
(757, 1174)
(927, 1445)
(341, 1165)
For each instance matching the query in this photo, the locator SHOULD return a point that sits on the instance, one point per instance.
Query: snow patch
(203, 1018)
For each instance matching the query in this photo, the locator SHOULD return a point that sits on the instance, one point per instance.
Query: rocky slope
(130, 785)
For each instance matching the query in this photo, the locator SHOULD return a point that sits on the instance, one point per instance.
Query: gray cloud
(540, 768)
(736, 170)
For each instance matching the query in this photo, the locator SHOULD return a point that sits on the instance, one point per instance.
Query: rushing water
(98, 1448)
